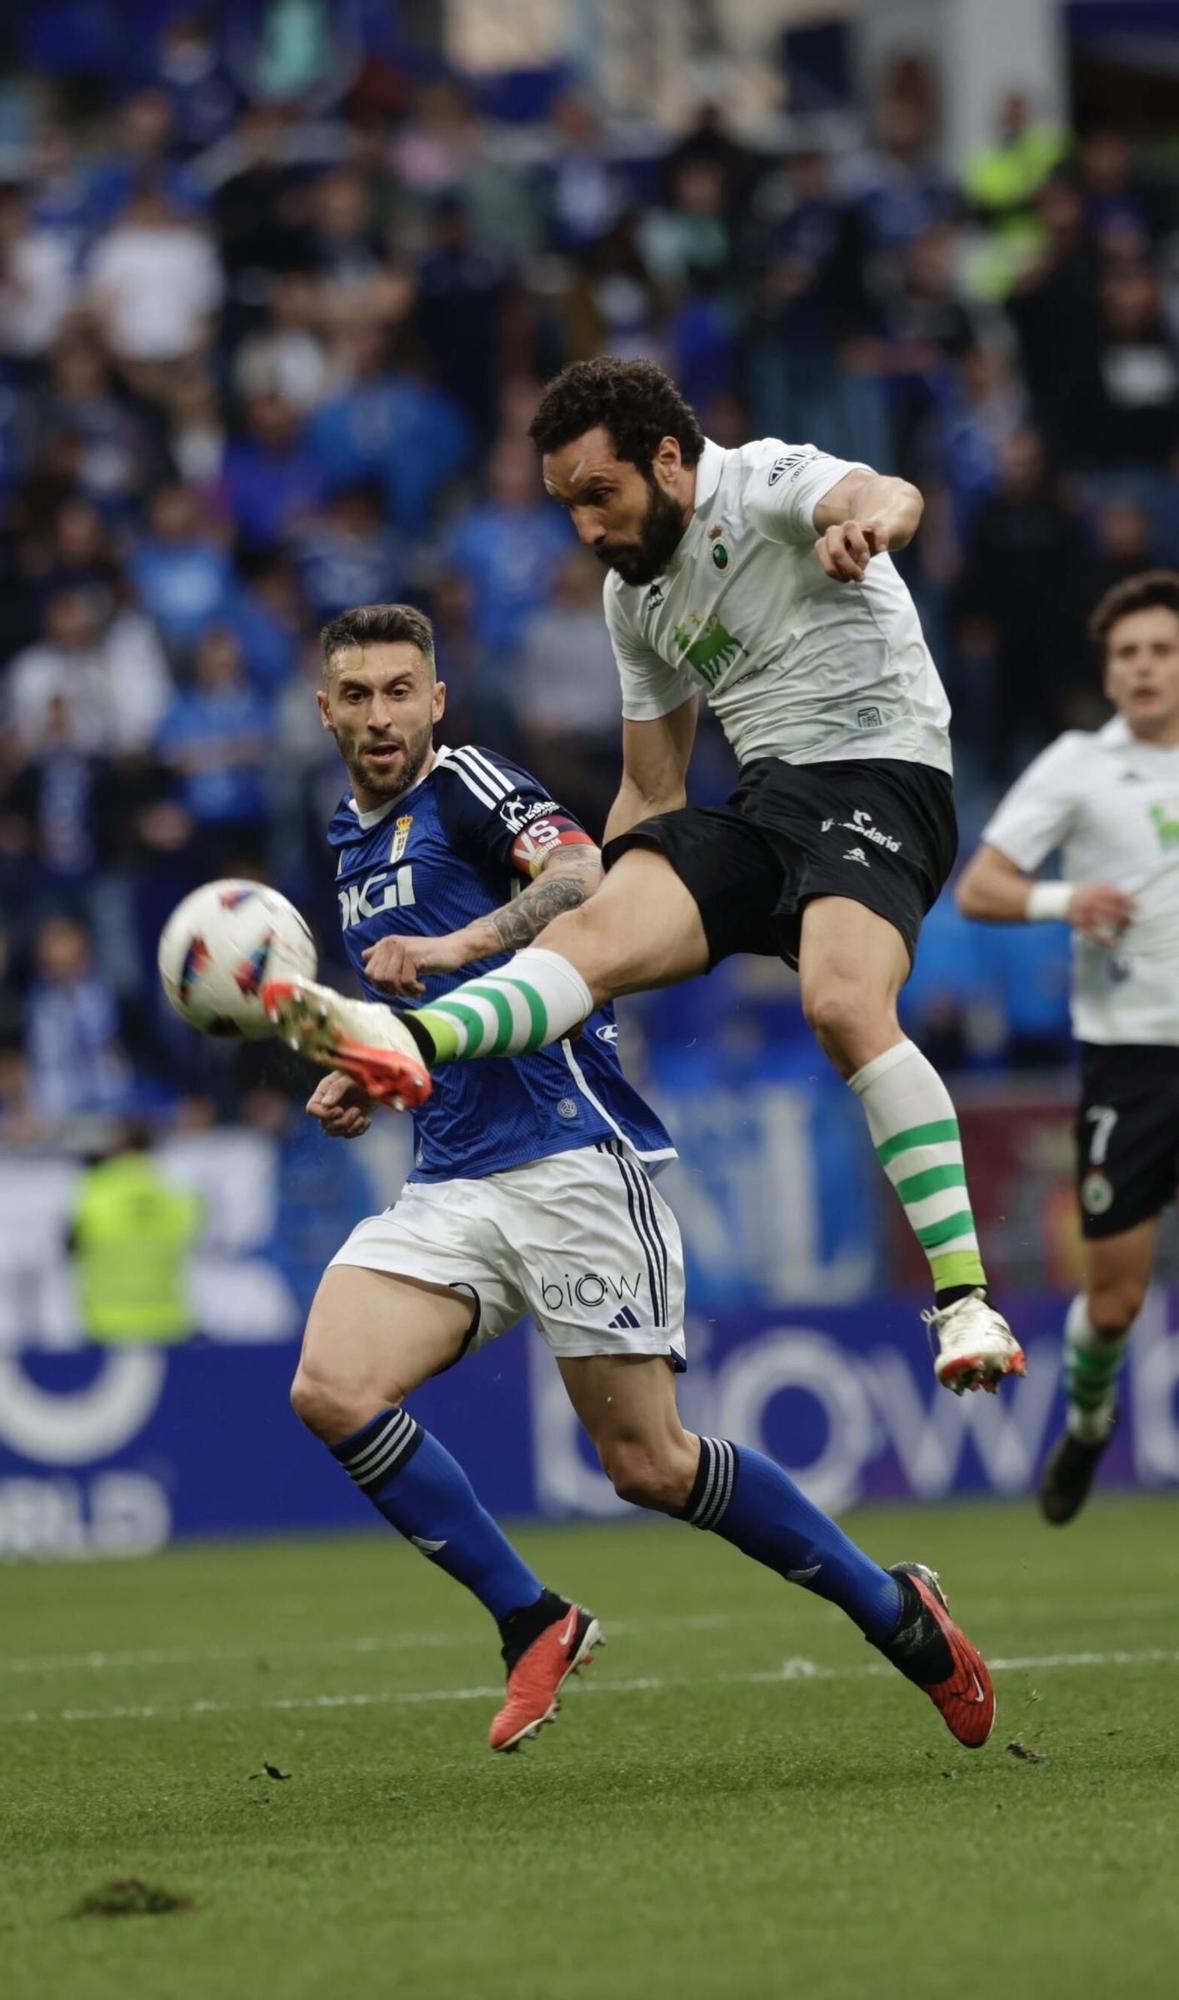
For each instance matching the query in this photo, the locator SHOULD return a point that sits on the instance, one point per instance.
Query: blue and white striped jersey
(453, 848)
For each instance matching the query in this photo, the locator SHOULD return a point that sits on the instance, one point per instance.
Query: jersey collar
(1118, 735)
(709, 467)
(376, 814)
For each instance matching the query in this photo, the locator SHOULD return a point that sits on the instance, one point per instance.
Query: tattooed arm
(564, 878)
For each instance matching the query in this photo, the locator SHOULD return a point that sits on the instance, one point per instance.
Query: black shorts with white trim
(878, 831)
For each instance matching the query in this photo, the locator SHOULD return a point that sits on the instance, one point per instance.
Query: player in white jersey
(1108, 802)
(759, 578)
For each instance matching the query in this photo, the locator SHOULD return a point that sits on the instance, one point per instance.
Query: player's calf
(1094, 1355)
(914, 1128)
(659, 1480)
(365, 1330)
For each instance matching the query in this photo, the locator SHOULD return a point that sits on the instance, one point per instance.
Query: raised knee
(313, 1401)
(331, 1407)
(645, 1478)
(840, 1017)
(828, 1008)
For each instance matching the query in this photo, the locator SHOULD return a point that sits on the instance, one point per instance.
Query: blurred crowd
(275, 301)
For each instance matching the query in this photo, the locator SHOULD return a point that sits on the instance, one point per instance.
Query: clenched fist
(1101, 911)
(846, 549)
(342, 1107)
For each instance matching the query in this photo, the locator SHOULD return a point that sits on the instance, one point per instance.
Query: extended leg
(642, 929)
(627, 1404)
(852, 964)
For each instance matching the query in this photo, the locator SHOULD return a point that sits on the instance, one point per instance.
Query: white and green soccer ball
(218, 947)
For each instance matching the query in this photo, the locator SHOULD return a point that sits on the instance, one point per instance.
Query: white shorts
(582, 1241)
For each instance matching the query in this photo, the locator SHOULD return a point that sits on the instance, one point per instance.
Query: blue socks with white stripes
(749, 1501)
(424, 1493)
(740, 1495)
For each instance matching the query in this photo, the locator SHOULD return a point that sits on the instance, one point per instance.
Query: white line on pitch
(409, 1642)
(390, 1642)
(790, 1670)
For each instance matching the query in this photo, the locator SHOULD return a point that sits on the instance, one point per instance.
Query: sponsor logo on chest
(1164, 817)
(706, 646)
(385, 889)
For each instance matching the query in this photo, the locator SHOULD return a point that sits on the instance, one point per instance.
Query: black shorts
(879, 831)
(1127, 1135)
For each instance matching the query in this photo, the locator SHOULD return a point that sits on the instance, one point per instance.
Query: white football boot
(361, 1037)
(976, 1347)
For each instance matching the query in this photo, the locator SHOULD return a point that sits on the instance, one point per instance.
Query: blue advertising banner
(117, 1451)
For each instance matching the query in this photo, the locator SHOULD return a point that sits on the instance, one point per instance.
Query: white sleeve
(650, 687)
(786, 483)
(1036, 816)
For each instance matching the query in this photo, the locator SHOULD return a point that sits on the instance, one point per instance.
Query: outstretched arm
(995, 891)
(865, 515)
(564, 878)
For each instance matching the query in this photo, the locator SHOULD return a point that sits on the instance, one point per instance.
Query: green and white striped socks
(535, 998)
(1092, 1364)
(914, 1129)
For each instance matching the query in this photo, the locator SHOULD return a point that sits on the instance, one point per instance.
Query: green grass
(710, 1833)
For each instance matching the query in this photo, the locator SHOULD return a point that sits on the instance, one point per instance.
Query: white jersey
(795, 665)
(1110, 803)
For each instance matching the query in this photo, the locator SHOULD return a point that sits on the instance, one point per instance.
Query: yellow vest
(1009, 175)
(132, 1236)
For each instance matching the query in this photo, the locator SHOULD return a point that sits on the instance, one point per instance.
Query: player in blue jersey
(531, 1193)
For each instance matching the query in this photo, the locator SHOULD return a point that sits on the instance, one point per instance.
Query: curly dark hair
(1151, 588)
(634, 401)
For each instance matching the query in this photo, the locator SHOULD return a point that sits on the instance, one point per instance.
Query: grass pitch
(740, 1800)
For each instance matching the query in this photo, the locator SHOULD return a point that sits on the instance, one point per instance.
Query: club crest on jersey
(400, 836)
(720, 554)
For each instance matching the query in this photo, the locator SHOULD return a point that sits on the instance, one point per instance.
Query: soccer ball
(219, 945)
